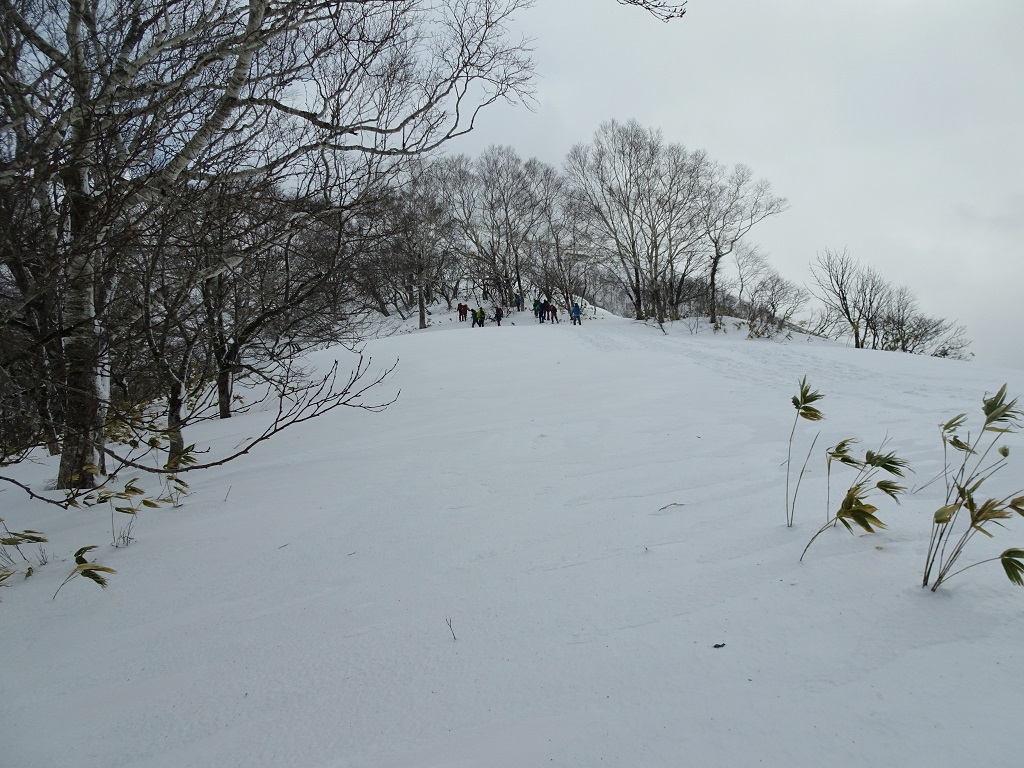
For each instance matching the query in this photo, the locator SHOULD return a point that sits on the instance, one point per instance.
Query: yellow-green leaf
(945, 514)
(1013, 564)
(960, 445)
(957, 421)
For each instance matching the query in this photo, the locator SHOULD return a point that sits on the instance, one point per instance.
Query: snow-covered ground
(561, 546)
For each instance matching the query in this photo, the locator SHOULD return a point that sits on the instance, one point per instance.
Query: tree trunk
(45, 416)
(638, 297)
(102, 408)
(175, 441)
(420, 280)
(78, 467)
(225, 380)
(713, 289)
(44, 401)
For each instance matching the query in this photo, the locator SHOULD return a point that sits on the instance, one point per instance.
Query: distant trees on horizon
(858, 302)
(640, 226)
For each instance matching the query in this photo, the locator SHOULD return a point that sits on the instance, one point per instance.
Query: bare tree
(641, 198)
(853, 296)
(611, 175)
(561, 258)
(774, 302)
(507, 219)
(421, 227)
(734, 202)
(874, 295)
(670, 214)
(497, 201)
(107, 106)
(751, 267)
(835, 278)
(859, 302)
(834, 275)
(904, 328)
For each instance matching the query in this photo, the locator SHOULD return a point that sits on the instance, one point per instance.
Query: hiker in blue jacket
(575, 314)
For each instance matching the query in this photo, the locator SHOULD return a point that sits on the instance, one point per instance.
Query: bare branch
(658, 8)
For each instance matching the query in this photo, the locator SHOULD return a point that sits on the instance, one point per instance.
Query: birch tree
(107, 106)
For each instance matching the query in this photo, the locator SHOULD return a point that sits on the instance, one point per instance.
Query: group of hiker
(542, 310)
(479, 316)
(548, 310)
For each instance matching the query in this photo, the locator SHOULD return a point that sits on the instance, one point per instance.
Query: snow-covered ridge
(560, 546)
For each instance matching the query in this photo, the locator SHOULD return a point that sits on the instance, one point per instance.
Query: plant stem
(950, 576)
(789, 462)
(821, 530)
(796, 491)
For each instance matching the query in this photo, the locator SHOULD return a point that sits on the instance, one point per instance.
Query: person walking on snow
(498, 314)
(575, 314)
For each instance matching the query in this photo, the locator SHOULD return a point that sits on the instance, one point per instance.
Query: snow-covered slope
(595, 513)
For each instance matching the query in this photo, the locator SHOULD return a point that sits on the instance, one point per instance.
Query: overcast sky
(895, 128)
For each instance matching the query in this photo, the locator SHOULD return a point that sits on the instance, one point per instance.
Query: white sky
(894, 127)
